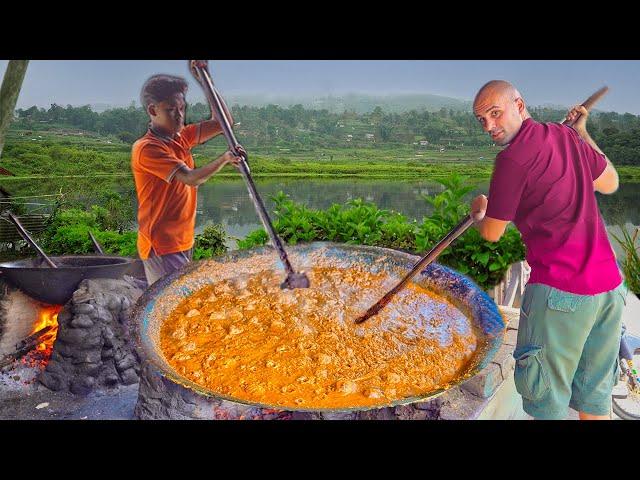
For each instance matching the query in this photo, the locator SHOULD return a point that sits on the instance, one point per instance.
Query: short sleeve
(209, 129)
(595, 160)
(505, 190)
(191, 134)
(198, 133)
(159, 161)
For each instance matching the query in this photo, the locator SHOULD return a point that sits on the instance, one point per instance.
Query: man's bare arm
(491, 229)
(198, 176)
(608, 180)
(211, 128)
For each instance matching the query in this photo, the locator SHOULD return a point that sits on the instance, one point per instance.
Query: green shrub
(398, 233)
(73, 216)
(631, 261)
(485, 262)
(356, 222)
(256, 238)
(115, 212)
(363, 223)
(75, 240)
(211, 242)
(123, 244)
(68, 233)
(69, 240)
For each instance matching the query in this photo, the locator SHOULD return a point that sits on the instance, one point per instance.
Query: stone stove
(91, 351)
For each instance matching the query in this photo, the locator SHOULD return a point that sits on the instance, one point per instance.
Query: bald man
(544, 181)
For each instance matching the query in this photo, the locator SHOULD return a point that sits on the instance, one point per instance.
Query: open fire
(38, 346)
(79, 347)
(48, 319)
(31, 336)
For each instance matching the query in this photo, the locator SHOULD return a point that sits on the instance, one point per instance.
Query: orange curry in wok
(246, 338)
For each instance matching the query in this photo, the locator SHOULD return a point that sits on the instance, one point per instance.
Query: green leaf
(482, 258)
(494, 266)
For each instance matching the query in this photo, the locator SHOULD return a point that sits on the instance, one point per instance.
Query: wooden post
(512, 284)
(11, 85)
(526, 273)
(515, 279)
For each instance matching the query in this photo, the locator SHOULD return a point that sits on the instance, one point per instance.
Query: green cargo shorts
(567, 350)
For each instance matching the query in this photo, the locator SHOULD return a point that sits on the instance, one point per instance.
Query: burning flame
(48, 317)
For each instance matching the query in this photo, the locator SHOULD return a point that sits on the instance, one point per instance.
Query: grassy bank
(70, 155)
(478, 172)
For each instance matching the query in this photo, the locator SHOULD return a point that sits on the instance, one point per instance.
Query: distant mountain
(359, 103)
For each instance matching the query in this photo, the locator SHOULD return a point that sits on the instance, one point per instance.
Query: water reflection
(226, 201)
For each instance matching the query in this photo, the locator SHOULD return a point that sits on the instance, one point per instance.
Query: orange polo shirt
(166, 206)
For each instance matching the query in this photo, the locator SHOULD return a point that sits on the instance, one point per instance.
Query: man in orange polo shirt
(166, 178)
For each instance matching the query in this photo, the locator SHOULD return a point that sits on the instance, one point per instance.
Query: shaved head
(500, 109)
(500, 88)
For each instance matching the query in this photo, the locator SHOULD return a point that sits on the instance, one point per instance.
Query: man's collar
(524, 125)
(161, 136)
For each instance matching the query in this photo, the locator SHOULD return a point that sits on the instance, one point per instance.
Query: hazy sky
(562, 82)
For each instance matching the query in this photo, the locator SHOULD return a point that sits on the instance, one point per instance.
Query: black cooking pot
(55, 286)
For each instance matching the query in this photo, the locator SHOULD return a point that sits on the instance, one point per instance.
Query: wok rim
(14, 264)
(23, 277)
(492, 341)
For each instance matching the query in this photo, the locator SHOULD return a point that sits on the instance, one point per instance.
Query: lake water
(226, 201)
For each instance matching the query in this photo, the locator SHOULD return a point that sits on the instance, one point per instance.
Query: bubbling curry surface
(248, 339)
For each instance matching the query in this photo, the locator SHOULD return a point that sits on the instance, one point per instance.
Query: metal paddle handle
(458, 230)
(216, 104)
(96, 244)
(24, 234)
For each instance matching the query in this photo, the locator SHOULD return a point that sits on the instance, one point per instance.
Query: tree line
(301, 128)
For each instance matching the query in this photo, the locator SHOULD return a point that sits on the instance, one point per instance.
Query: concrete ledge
(485, 385)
